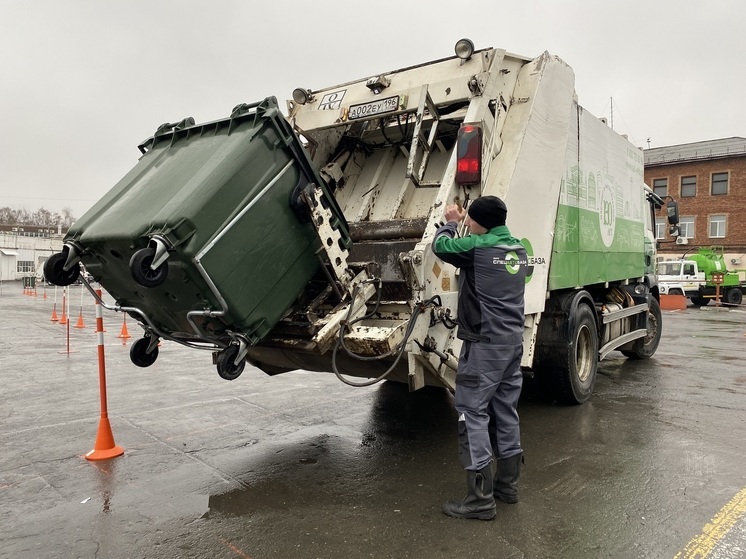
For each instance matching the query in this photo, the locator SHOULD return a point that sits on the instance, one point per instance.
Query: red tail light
(469, 155)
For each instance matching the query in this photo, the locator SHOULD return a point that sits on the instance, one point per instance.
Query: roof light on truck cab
(302, 96)
(469, 155)
(464, 49)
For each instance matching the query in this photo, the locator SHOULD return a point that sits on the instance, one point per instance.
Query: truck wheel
(733, 296)
(567, 349)
(576, 375)
(139, 353)
(227, 367)
(644, 348)
(141, 271)
(700, 301)
(54, 271)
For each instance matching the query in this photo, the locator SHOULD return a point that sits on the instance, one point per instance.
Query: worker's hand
(454, 213)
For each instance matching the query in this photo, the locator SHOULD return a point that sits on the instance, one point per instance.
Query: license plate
(387, 105)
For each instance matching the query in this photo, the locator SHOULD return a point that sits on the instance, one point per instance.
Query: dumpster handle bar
(200, 255)
(118, 308)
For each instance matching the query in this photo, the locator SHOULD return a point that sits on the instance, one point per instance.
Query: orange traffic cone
(63, 318)
(124, 334)
(104, 447)
(54, 318)
(80, 323)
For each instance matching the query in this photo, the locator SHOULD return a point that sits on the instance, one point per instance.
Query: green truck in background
(360, 174)
(701, 277)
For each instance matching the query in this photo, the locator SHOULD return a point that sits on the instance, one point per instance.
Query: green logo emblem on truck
(607, 215)
(531, 259)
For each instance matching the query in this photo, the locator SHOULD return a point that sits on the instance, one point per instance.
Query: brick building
(708, 180)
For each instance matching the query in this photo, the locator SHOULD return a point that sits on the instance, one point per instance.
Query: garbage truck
(304, 241)
(701, 277)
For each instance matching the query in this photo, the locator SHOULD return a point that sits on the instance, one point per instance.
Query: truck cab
(679, 277)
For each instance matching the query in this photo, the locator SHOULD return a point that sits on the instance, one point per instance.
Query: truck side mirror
(672, 210)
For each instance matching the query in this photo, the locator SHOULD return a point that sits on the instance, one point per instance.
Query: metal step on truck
(381, 158)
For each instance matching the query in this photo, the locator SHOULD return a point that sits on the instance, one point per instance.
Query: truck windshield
(669, 268)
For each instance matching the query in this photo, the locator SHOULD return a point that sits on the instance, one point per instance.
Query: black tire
(700, 301)
(644, 348)
(576, 373)
(567, 349)
(54, 271)
(227, 367)
(141, 271)
(733, 296)
(139, 353)
(676, 292)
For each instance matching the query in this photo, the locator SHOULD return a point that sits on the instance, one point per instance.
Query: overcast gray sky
(82, 82)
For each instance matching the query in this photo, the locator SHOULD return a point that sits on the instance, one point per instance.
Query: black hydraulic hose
(399, 350)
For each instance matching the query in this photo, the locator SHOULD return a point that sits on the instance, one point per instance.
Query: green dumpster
(208, 236)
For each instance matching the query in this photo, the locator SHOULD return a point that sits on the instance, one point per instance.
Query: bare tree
(41, 217)
(67, 218)
(7, 215)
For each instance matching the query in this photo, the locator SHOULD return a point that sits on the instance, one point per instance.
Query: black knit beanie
(488, 211)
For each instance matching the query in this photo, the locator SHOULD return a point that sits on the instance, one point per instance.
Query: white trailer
(391, 145)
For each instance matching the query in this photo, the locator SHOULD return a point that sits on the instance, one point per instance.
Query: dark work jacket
(491, 283)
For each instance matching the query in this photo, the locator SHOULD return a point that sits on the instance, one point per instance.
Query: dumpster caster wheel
(227, 367)
(139, 353)
(54, 271)
(143, 273)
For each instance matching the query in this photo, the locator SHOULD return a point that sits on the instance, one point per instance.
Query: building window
(660, 227)
(660, 187)
(719, 183)
(686, 227)
(717, 226)
(25, 266)
(688, 187)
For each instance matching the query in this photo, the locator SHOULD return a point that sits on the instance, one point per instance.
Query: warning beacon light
(469, 155)
(464, 49)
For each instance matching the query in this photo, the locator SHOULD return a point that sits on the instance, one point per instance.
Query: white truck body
(575, 196)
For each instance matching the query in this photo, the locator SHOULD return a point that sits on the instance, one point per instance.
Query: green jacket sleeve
(458, 251)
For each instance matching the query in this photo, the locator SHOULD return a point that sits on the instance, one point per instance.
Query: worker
(492, 283)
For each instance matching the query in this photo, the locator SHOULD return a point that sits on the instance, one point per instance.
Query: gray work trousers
(488, 385)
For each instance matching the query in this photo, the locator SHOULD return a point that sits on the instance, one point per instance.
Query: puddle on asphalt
(329, 469)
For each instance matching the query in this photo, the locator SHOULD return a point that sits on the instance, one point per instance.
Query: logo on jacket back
(511, 262)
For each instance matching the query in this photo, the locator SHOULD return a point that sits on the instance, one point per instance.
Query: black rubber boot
(479, 502)
(506, 478)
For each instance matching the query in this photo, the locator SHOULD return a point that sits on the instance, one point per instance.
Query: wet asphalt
(302, 466)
